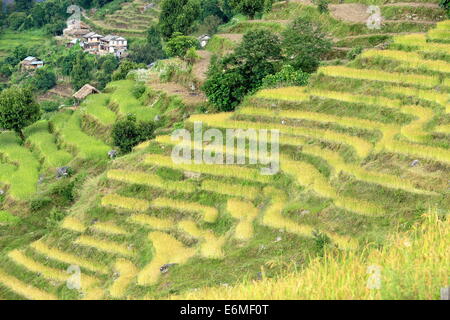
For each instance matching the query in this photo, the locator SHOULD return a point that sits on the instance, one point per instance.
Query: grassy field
(11, 39)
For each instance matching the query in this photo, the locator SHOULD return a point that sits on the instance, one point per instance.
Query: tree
(16, 20)
(81, 71)
(179, 44)
(128, 133)
(248, 7)
(145, 53)
(44, 78)
(178, 16)
(18, 109)
(154, 38)
(304, 44)
(225, 89)
(445, 5)
(241, 72)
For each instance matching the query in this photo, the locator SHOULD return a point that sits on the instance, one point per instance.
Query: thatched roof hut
(86, 90)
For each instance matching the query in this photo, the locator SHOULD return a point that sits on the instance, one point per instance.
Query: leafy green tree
(154, 38)
(445, 5)
(81, 71)
(248, 7)
(257, 56)
(225, 89)
(243, 71)
(23, 5)
(178, 16)
(44, 78)
(179, 44)
(18, 109)
(16, 19)
(211, 24)
(212, 8)
(304, 44)
(128, 133)
(145, 53)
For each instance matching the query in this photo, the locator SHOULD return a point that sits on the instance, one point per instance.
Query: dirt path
(201, 67)
(350, 12)
(174, 89)
(412, 4)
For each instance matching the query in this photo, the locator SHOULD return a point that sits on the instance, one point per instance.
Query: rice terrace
(224, 150)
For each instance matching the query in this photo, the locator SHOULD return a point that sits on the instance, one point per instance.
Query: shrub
(179, 44)
(39, 203)
(322, 6)
(128, 133)
(352, 54)
(54, 218)
(288, 76)
(138, 90)
(191, 56)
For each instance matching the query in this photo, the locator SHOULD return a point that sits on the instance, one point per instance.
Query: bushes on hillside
(179, 44)
(44, 78)
(128, 133)
(125, 67)
(287, 76)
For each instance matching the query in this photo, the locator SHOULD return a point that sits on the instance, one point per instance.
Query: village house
(91, 42)
(97, 44)
(113, 44)
(31, 63)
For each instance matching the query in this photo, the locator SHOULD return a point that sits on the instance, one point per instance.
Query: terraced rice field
(131, 20)
(361, 152)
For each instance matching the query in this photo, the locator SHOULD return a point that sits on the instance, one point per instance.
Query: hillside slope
(364, 152)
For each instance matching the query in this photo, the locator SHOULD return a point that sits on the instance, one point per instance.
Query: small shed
(85, 91)
(31, 63)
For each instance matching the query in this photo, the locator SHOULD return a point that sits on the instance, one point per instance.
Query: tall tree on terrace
(243, 71)
(304, 44)
(18, 109)
(248, 7)
(178, 16)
